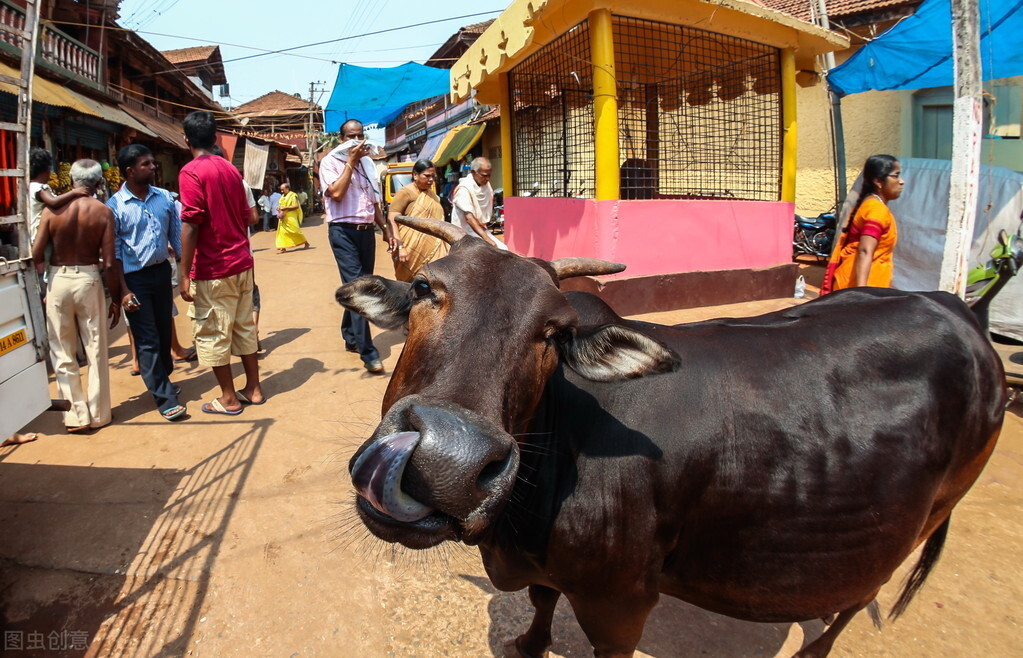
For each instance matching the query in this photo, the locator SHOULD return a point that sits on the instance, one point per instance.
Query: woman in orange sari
(864, 253)
(417, 199)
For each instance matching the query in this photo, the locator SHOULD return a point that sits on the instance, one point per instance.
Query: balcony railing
(57, 51)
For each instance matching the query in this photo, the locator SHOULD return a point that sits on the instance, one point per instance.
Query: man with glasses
(147, 232)
(472, 203)
(351, 202)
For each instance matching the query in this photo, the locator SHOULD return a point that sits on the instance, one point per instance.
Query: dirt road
(233, 536)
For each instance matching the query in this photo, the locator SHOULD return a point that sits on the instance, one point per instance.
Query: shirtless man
(82, 236)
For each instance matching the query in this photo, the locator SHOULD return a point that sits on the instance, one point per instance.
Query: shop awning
(113, 114)
(378, 95)
(168, 132)
(432, 146)
(458, 142)
(916, 53)
(50, 93)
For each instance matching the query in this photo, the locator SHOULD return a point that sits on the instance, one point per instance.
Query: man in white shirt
(472, 203)
(264, 209)
(271, 221)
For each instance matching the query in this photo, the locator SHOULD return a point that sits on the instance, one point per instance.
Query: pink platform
(654, 237)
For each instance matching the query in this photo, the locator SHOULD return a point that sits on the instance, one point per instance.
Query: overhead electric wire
(284, 51)
(365, 34)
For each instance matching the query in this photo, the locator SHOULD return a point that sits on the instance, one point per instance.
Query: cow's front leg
(613, 623)
(535, 641)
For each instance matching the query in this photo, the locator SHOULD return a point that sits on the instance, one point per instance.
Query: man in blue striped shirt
(147, 230)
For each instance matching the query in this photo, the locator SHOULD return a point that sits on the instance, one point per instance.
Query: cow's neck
(546, 475)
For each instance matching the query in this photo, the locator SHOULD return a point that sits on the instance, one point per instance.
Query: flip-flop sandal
(244, 400)
(217, 407)
(77, 430)
(175, 413)
(192, 356)
(134, 373)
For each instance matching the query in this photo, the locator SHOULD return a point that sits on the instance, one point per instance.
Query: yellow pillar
(788, 122)
(605, 105)
(507, 154)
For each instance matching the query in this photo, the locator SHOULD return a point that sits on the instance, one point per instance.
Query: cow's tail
(916, 578)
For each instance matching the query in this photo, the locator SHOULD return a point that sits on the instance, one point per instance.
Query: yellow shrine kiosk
(656, 133)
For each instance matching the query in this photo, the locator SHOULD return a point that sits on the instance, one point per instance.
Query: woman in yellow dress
(289, 231)
(417, 199)
(864, 253)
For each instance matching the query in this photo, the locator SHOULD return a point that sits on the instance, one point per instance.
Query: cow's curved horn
(447, 232)
(569, 267)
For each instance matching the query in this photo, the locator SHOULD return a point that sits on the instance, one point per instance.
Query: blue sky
(264, 24)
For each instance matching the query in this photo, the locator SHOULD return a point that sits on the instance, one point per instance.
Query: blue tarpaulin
(916, 53)
(379, 95)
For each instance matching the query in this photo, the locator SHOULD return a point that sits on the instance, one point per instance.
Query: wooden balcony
(58, 52)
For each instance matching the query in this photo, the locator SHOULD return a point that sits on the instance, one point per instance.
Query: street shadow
(280, 337)
(387, 340)
(312, 220)
(674, 628)
(116, 561)
(294, 377)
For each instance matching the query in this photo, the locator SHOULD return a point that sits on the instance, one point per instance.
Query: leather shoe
(375, 366)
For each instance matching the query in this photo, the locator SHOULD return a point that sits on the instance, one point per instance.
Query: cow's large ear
(383, 302)
(611, 351)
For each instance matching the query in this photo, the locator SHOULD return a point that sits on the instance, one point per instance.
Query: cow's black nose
(461, 460)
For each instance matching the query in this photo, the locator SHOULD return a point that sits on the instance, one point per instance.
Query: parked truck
(24, 387)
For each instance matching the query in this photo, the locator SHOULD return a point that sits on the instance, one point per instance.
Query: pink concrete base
(654, 237)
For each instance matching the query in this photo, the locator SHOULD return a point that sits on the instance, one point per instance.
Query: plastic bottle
(800, 287)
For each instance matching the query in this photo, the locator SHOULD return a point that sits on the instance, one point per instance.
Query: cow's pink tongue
(377, 477)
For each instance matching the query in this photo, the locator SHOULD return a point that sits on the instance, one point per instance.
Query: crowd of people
(127, 250)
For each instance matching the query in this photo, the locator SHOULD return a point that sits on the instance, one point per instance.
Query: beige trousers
(76, 306)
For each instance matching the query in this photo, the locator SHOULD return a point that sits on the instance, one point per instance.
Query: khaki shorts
(222, 322)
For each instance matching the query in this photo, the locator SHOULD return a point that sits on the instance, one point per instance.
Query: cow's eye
(420, 289)
(562, 336)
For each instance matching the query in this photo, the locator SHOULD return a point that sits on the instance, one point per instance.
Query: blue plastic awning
(379, 95)
(916, 53)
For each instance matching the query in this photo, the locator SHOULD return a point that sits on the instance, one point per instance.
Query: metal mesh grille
(552, 119)
(699, 113)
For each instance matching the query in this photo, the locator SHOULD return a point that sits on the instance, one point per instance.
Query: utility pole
(966, 145)
(310, 138)
(838, 132)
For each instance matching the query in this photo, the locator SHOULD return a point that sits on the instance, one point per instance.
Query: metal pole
(966, 146)
(788, 120)
(838, 131)
(309, 125)
(508, 156)
(605, 105)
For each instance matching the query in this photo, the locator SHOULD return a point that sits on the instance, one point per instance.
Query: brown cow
(774, 469)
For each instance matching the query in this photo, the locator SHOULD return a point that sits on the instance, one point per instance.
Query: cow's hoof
(512, 650)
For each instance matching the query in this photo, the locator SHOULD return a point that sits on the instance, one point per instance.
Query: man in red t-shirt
(216, 266)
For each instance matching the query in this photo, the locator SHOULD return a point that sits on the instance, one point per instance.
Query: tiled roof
(493, 113)
(274, 103)
(477, 28)
(836, 8)
(195, 54)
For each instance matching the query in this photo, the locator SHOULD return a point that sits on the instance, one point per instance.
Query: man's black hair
(354, 122)
(201, 129)
(39, 160)
(129, 155)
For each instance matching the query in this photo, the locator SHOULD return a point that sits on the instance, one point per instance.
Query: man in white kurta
(472, 203)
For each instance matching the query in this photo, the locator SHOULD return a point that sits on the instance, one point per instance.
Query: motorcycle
(496, 225)
(984, 281)
(814, 236)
